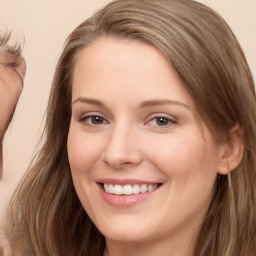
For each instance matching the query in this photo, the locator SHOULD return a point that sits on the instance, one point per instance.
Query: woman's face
(143, 162)
(12, 72)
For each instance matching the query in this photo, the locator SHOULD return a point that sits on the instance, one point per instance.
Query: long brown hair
(46, 216)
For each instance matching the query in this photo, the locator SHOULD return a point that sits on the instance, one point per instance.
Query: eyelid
(82, 119)
(172, 120)
(90, 116)
(6, 64)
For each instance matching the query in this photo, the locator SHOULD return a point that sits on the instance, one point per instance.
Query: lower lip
(125, 200)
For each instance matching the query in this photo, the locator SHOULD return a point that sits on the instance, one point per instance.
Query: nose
(122, 150)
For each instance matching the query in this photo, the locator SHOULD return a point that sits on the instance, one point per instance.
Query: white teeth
(150, 188)
(136, 189)
(143, 188)
(118, 190)
(106, 187)
(129, 189)
(111, 188)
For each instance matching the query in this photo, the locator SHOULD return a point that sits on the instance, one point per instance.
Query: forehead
(124, 63)
(121, 54)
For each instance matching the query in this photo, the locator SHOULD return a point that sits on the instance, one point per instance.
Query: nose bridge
(122, 149)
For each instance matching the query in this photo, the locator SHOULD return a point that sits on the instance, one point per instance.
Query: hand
(12, 72)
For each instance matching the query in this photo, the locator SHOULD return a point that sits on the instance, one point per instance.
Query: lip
(124, 200)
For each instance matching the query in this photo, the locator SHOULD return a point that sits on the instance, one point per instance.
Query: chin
(127, 232)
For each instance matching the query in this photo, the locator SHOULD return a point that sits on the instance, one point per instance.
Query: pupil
(97, 120)
(162, 121)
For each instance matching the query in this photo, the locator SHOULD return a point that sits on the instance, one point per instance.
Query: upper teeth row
(128, 189)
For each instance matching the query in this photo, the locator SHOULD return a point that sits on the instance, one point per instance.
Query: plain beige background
(46, 24)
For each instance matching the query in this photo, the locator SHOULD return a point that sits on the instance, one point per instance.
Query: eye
(8, 64)
(162, 121)
(93, 120)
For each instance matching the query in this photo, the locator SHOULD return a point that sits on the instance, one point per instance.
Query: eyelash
(166, 121)
(93, 118)
(158, 121)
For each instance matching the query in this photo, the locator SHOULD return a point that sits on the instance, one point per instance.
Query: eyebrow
(89, 101)
(145, 104)
(160, 102)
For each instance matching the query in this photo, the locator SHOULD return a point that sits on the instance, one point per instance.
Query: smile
(129, 189)
(127, 193)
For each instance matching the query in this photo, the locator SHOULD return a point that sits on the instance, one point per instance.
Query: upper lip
(126, 181)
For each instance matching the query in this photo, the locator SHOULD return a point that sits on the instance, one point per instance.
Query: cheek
(190, 166)
(186, 157)
(83, 150)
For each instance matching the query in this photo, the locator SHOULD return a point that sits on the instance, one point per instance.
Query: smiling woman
(143, 152)
(149, 141)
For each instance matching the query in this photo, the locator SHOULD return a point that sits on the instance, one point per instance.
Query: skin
(11, 84)
(128, 84)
